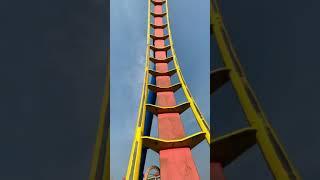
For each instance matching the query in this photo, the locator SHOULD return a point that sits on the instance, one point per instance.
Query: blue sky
(128, 43)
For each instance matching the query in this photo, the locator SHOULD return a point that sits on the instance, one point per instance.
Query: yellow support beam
(135, 155)
(164, 37)
(158, 15)
(157, 144)
(157, 26)
(165, 48)
(231, 146)
(219, 77)
(166, 60)
(133, 169)
(158, 2)
(172, 109)
(156, 73)
(173, 88)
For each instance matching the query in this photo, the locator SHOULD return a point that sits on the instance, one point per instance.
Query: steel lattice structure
(173, 146)
(227, 148)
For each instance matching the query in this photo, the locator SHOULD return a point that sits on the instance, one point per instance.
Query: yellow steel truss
(139, 140)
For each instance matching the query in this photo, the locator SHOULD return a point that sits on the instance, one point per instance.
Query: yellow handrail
(135, 155)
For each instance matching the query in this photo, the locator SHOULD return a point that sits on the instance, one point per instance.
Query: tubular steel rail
(227, 148)
(173, 146)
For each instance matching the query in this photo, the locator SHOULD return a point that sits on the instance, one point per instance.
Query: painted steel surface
(148, 125)
(173, 146)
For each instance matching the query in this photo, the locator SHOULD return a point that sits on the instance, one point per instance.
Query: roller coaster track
(173, 146)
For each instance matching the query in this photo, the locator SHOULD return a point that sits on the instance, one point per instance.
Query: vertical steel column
(176, 163)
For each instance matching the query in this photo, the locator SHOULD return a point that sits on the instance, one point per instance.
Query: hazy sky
(128, 43)
(277, 43)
